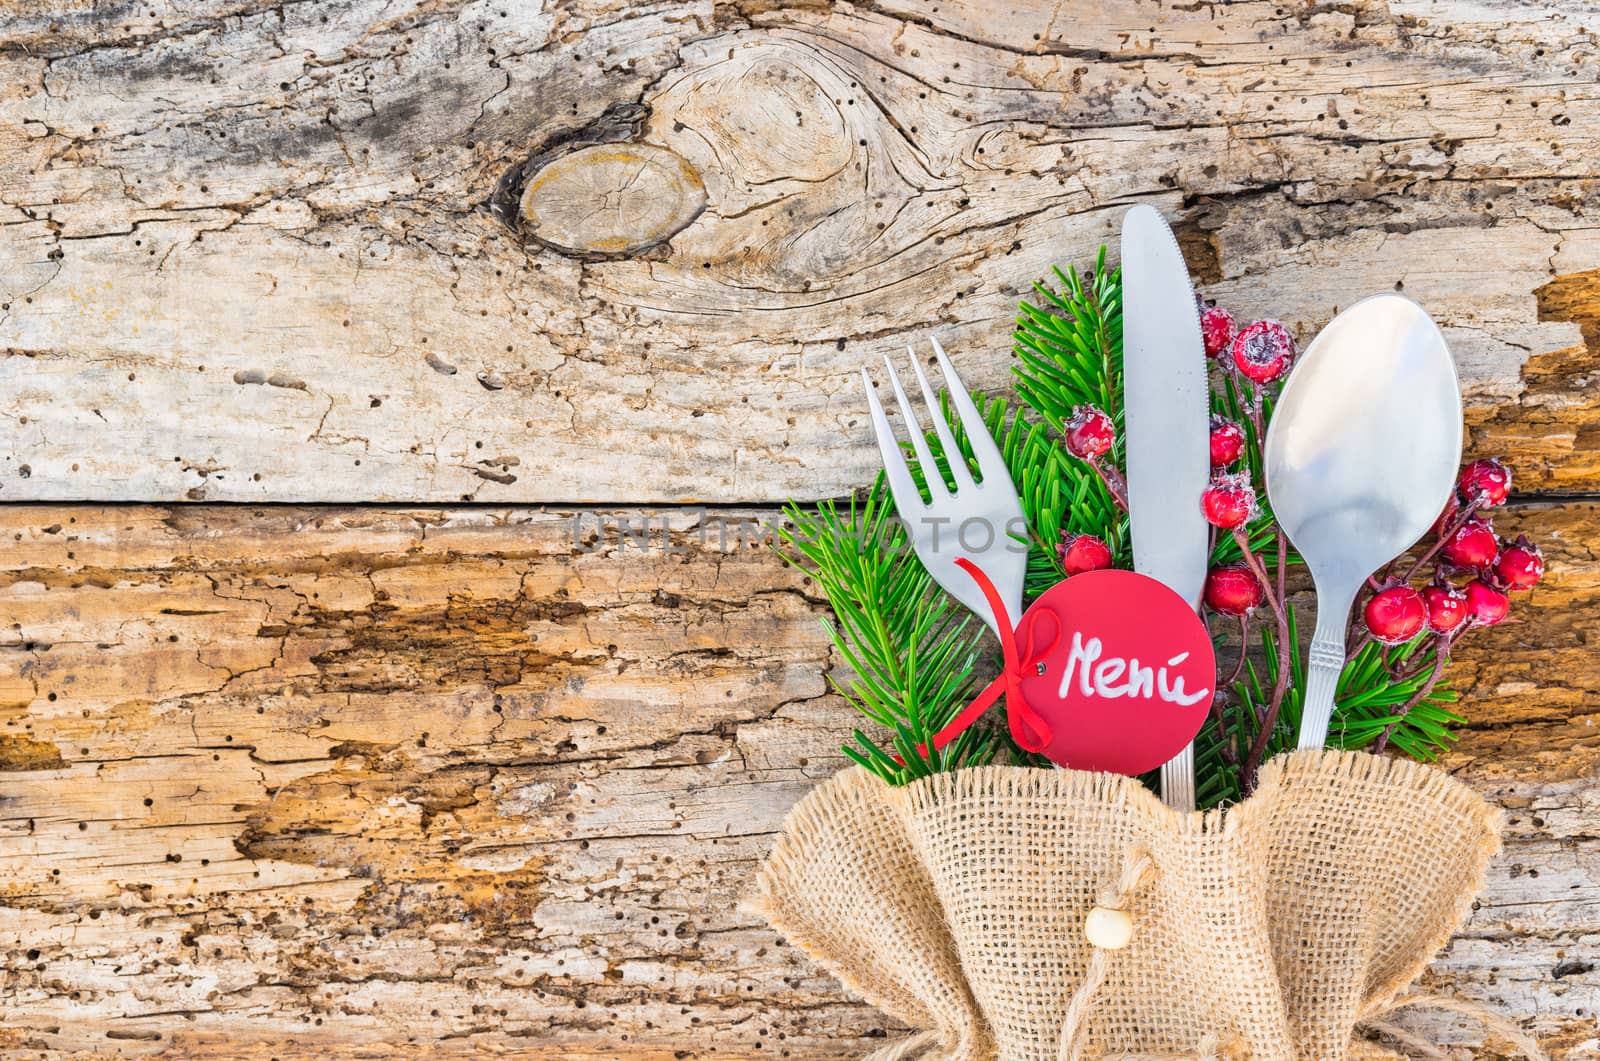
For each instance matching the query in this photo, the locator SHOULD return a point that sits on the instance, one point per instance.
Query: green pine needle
(910, 651)
(912, 655)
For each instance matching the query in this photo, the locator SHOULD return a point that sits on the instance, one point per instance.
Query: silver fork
(975, 520)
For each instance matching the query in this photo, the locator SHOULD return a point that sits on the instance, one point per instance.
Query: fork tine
(901, 486)
(919, 438)
(947, 438)
(990, 462)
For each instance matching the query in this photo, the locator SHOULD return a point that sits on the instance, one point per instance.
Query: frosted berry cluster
(1472, 571)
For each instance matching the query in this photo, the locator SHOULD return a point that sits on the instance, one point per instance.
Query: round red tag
(1120, 668)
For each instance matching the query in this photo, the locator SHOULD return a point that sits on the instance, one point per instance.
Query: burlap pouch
(1276, 929)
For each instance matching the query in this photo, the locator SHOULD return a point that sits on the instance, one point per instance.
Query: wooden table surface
(351, 708)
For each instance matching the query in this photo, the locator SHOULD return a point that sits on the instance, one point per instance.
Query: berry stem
(1357, 639)
(1255, 408)
(1280, 687)
(1441, 658)
(1359, 636)
(1397, 671)
(1228, 744)
(1253, 562)
(1115, 484)
(1283, 563)
(1244, 650)
(1468, 510)
(1419, 662)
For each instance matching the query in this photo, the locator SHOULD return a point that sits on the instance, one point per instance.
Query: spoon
(1361, 456)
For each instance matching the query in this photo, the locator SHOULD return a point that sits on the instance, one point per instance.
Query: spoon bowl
(1361, 456)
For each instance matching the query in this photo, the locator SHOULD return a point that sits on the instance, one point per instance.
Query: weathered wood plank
(362, 782)
(249, 254)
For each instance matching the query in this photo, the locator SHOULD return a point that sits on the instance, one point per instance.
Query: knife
(1166, 410)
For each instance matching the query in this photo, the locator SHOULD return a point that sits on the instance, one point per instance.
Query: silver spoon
(1361, 456)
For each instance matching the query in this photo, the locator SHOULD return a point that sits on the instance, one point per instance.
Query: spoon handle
(1326, 663)
(1177, 780)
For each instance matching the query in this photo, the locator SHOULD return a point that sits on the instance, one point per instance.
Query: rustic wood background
(344, 714)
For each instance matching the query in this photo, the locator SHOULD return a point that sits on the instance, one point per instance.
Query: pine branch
(910, 651)
(1069, 353)
(912, 655)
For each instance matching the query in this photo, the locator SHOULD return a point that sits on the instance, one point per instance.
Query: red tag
(1128, 681)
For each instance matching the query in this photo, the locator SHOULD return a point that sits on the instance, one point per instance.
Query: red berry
(1227, 442)
(1485, 604)
(1487, 482)
(1472, 546)
(1217, 329)
(1233, 589)
(1263, 351)
(1229, 501)
(1090, 433)
(1521, 565)
(1395, 615)
(1447, 607)
(1083, 552)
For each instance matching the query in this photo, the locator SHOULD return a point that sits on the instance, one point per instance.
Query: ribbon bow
(1028, 728)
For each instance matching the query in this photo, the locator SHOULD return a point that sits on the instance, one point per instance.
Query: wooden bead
(1108, 929)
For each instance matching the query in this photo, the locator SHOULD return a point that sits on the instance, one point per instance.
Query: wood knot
(597, 192)
(612, 200)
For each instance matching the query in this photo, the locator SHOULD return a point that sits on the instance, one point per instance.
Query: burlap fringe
(1492, 1022)
(1274, 930)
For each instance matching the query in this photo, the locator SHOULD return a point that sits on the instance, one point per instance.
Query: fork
(973, 521)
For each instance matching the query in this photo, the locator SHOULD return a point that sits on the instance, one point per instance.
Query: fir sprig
(911, 650)
(1069, 354)
(914, 657)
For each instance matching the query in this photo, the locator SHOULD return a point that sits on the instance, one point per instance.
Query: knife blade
(1166, 416)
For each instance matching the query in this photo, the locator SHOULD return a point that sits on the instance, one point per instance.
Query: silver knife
(1166, 410)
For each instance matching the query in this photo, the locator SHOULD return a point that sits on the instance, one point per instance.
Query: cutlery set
(1360, 457)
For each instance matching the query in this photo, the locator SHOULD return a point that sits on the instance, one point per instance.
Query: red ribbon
(1028, 727)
